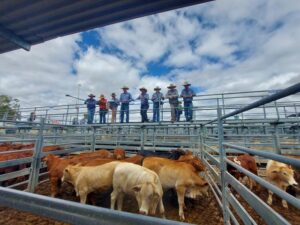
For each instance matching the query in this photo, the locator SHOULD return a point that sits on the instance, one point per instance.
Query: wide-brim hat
(101, 96)
(125, 87)
(157, 88)
(113, 94)
(91, 95)
(172, 86)
(143, 88)
(186, 83)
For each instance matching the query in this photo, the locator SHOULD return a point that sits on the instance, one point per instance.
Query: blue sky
(220, 46)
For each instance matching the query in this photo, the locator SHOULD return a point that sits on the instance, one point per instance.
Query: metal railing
(211, 140)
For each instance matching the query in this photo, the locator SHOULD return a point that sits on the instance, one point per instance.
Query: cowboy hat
(157, 88)
(186, 83)
(143, 88)
(125, 87)
(113, 94)
(172, 86)
(91, 95)
(102, 96)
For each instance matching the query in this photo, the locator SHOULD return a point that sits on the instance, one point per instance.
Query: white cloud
(255, 45)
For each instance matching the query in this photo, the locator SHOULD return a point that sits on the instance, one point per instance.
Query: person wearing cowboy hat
(113, 105)
(172, 95)
(91, 105)
(144, 97)
(102, 108)
(187, 94)
(157, 98)
(125, 98)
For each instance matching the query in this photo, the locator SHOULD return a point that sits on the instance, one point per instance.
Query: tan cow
(87, 179)
(179, 175)
(281, 175)
(140, 182)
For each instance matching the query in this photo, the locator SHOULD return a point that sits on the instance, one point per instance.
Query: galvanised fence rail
(267, 138)
(204, 109)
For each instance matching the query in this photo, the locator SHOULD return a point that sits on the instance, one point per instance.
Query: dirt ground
(203, 211)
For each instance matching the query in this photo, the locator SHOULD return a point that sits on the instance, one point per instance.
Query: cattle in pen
(281, 175)
(180, 176)
(87, 179)
(140, 182)
(246, 161)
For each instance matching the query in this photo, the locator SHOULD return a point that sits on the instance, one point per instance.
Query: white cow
(140, 182)
(87, 179)
(281, 175)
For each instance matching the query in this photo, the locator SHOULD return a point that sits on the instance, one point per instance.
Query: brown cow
(193, 160)
(281, 175)
(246, 161)
(119, 153)
(178, 175)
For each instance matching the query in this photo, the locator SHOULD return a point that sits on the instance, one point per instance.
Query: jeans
(188, 111)
(102, 113)
(156, 112)
(178, 113)
(124, 110)
(91, 113)
(144, 109)
(173, 112)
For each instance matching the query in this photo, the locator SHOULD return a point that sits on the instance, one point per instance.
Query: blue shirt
(187, 95)
(172, 95)
(157, 97)
(114, 103)
(90, 103)
(144, 99)
(125, 98)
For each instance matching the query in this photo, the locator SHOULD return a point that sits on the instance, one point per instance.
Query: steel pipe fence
(73, 212)
(205, 107)
(210, 140)
(220, 161)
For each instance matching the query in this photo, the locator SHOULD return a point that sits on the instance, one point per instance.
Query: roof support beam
(12, 37)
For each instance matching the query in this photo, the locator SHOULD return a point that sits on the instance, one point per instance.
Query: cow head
(286, 174)
(119, 154)
(194, 161)
(69, 172)
(148, 197)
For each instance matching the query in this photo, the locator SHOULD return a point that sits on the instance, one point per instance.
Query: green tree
(8, 107)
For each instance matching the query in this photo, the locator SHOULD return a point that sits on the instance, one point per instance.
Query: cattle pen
(274, 137)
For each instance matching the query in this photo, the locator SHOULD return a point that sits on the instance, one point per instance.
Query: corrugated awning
(28, 22)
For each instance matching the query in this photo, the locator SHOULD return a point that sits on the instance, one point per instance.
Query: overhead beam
(12, 37)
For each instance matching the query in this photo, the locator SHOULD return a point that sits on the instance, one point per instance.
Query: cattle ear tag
(137, 188)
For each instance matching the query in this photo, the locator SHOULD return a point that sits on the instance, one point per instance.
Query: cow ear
(137, 188)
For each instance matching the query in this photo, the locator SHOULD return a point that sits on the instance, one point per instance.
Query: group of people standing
(157, 98)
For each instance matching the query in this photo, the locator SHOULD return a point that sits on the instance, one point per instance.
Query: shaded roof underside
(27, 22)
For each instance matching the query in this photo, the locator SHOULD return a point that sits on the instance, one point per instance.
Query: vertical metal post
(93, 137)
(276, 140)
(154, 138)
(36, 159)
(201, 141)
(223, 168)
(277, 111)
(223, 104)
(142, 137)
(66, 121)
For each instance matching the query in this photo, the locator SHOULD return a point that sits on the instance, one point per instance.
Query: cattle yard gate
(267, 128)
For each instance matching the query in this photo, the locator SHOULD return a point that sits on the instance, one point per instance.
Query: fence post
(201, 141)
(67, 115)
(93, 139)
(223, 168)
(276, 140)
(142, 137)
(36, 158)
